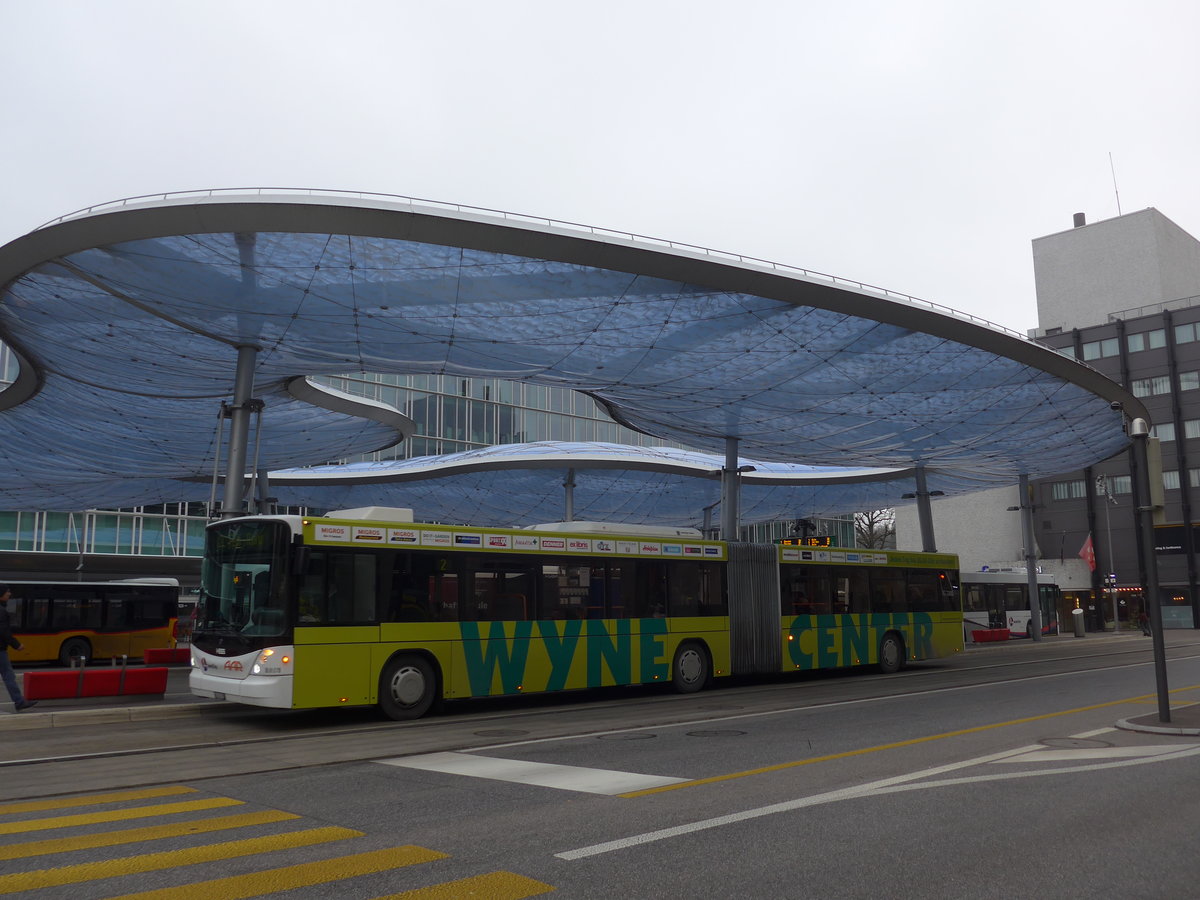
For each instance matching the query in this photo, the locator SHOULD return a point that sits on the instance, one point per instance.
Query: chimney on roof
(1080, 219)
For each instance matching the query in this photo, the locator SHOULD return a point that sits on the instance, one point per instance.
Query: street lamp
(1110, 580)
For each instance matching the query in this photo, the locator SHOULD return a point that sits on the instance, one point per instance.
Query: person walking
(1144, 621)
(7, 639)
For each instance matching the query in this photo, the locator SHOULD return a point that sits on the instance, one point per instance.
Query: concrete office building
(1122, 295)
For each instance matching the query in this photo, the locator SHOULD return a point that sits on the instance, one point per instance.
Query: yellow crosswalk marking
(256, 884)
(148, 833)
(170, 859)
(496, 886)
(92, 799)
(115, 815)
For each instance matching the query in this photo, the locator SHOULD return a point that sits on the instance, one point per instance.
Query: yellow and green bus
(366, 607)
(65, 621)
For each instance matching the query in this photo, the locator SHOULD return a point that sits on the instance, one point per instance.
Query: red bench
(59, 684)
(984, 635)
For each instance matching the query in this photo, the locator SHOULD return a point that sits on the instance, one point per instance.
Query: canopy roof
(526, 484)
(128, 319)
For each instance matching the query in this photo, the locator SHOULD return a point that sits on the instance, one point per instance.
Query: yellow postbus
(68, 620)
(367, 607)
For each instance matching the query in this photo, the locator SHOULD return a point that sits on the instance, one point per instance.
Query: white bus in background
(999, 599)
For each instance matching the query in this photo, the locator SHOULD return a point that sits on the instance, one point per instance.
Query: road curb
(1131, 725)
(69, 717)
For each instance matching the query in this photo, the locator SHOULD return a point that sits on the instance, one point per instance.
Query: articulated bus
(364, 607)
(997, 599)
(65, 620)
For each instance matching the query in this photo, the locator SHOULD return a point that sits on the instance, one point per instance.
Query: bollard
(82, 661)
(1077, 620)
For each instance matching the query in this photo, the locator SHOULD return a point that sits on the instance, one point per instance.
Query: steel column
(239, 432)
(1031, 579)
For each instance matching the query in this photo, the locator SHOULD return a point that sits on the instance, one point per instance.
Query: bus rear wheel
(891, 654)
(407, 687)
(690, 670)
(73, 647)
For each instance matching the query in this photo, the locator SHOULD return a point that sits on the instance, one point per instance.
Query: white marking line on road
(567, 778)
(1091, 734)
(816, 707)
(894, 785)
(1057, 755)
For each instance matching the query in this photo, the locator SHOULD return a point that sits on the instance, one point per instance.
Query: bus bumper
(274, 691)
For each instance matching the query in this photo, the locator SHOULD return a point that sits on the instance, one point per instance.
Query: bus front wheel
(407, 687)
(690, 669)
(891, 654)
(73, 647)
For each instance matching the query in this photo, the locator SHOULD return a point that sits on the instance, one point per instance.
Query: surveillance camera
(1117, 405)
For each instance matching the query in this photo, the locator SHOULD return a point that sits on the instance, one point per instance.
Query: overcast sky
(918, 146)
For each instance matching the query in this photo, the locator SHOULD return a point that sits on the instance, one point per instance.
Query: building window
(1171, 481)
(1067, 490)
(1191, 428)
(1146, 340)
(1099, 349)
(1185, 334)
(1189, 381)
(1121, 484)
(1165, 432)
(1148, 387)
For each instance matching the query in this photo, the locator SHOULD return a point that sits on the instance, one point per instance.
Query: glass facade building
(452, 414)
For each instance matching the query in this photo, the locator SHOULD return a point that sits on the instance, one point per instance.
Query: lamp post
(1110, 580)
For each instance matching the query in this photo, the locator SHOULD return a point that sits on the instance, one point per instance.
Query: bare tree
(875, 529)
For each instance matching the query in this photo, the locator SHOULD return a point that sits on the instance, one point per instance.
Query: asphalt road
(998, 774)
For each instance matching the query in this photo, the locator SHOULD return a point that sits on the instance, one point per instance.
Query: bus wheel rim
(891, 652)
(408, 686)
(690, 666)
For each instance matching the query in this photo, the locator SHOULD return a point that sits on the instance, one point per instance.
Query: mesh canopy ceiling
(128, 320)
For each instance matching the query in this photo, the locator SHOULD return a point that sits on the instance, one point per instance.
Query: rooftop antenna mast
(1113, 169)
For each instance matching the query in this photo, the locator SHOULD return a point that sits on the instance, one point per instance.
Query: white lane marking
(1057, 755)
(816, 707)
(567, 778)
(1091, 734)
(885, 786)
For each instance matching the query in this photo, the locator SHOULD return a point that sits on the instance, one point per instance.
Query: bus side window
(888, 591)
(339, 588)
(32, 609)
(683, 585)
(312, 589)
(852, 594)
(407, 593)
(620, 587)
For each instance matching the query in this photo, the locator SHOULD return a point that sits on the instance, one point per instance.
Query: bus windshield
(241, 582)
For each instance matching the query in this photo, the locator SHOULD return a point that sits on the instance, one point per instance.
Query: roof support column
(1031, 578)
(569, 487)
(924, 511)
(239, 431)
(1139, 430)
(730, 484)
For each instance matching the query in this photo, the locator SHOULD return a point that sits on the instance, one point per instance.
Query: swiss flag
(1088, 553)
